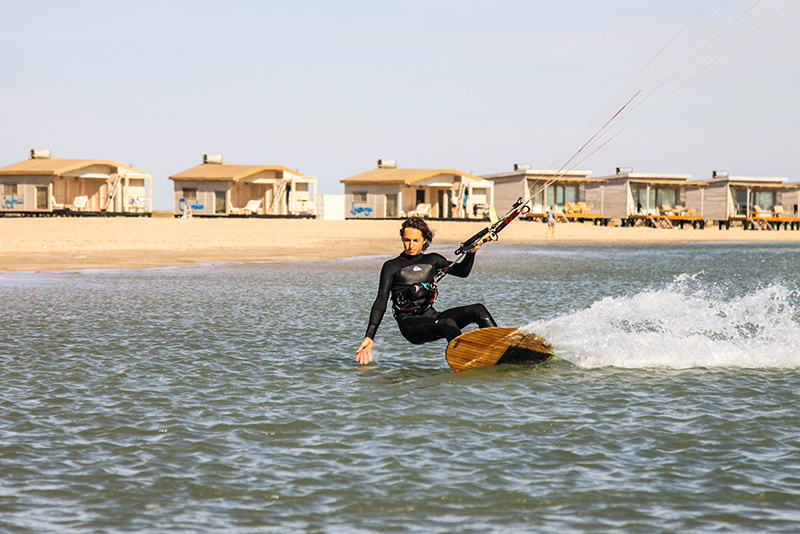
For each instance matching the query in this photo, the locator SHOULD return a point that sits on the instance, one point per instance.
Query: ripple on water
(225, 398)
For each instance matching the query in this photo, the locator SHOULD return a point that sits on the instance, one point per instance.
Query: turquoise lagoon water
(226, 398)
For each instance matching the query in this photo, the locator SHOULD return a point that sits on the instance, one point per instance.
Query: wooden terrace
(765, 220)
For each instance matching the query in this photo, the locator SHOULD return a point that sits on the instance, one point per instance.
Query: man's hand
(364, 354)
(476, 247)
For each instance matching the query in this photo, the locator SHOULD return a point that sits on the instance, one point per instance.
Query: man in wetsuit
(409, 279)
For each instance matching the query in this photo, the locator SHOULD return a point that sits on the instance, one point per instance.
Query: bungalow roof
(402, 176)
(57, 166)
(759, 182)
(227, 171)
(647, 177)
(563, 176)
(668, 182)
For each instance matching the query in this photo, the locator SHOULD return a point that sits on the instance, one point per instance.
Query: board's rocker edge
(497, 346)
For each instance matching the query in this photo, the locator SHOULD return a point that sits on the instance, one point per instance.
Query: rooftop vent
(40, 153)
(624, 170)
(387, 164)
(212, 158)
(719, 174)
(522, 167)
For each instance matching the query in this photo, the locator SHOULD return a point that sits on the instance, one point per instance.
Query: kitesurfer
(410, 281)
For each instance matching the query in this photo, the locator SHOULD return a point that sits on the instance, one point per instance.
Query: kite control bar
(490, 232)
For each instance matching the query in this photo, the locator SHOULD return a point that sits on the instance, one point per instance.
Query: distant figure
(551, 222)
(638, 207)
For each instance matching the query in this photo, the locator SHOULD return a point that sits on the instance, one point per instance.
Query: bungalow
(752, 201)
(660, 200)
(564, 189)
(43, 185)
(390, 191)
(215, 189)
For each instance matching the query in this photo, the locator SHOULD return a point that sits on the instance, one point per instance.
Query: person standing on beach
(551, 222)
(410, 281)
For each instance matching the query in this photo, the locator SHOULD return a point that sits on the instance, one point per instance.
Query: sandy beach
(46, 244)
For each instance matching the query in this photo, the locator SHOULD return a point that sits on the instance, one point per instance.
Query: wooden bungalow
(43, 185)
(565, 190)
(217, 189)
(756, 202)
(658, 200)
(390, 191)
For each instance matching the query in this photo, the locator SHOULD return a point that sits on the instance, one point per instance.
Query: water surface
(226, 398)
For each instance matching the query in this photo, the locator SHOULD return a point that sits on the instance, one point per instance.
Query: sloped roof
(57, 166)
(402, 175)
(227, 171)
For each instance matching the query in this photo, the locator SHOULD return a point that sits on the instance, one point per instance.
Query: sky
(328, 88)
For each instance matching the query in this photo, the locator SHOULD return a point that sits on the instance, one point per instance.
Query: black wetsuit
(419, 322)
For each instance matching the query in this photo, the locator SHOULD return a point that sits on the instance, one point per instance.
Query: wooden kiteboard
(496, 346)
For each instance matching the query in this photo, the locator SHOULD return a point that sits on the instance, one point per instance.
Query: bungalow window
(301, 191)
(41, 198)
(559, 195)
(763, 199)
(10, 189)
(741, 202)
(391, 205)
(360, 197)
(650, 200)
(189, 194)
(220, 202)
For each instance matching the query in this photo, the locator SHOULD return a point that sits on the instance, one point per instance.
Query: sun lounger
(760, 214)
(422, 210)
(680, 210)
(250, 208)
(778, 211)
(79, 203)
(666, 210)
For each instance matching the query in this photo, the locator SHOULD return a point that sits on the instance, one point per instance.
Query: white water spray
(677, 327)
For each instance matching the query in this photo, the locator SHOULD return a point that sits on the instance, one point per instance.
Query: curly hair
(419, 224)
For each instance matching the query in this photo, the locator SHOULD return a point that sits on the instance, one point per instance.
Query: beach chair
(136, 203)
(55, 205)
(666, 210)
(760, 214)
(250, 208)
(680, 210)
(584, 207)
(571, 207)
(778, 211)
(422, 210)
(79, 203)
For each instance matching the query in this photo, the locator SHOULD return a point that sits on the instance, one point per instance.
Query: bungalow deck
(596, 218)
(774, 222)
(666, 221)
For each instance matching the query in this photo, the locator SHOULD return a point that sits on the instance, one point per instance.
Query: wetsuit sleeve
(379, 306)
(462, 268)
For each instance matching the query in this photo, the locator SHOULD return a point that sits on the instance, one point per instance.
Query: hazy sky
(330, 87)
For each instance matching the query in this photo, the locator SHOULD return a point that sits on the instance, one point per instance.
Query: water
(226, 398)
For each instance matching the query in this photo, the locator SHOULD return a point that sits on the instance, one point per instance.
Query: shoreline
(65, 244)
